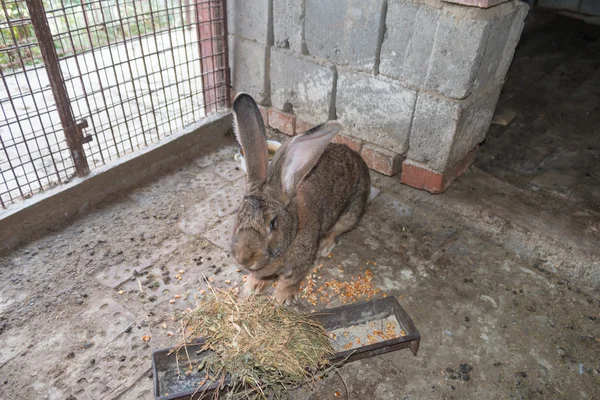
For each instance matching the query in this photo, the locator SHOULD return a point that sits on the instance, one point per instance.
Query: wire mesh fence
(34, 153)
(134, 70)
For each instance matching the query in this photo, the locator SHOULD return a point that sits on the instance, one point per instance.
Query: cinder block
(354, 143)
(408, 42)
(247, 60)
(444, 130)
(456, 54)
(381, 160)
(288, 24)
(512, 40)
(503, 37)
(453, 50)
(345, 31)
(591, 7)
(470, 46)
(282, 121)
(375, 109)
(301, 85)
(249, 19)
(569, 5)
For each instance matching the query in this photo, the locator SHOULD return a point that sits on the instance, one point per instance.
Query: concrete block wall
(413, 82)
(344, 32)
(250, 39)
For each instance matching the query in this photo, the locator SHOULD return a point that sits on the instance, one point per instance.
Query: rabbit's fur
(312, 192)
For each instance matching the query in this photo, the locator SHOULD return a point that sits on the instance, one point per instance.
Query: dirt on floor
(82, 309)
(77, 305)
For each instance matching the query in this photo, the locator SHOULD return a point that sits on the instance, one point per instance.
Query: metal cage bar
(72, 130)
(130, 71)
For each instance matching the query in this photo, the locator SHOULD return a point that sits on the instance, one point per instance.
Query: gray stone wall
(420, 78)
(250, 39)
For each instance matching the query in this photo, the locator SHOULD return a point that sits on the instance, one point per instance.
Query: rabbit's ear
(303, 152)
(250, 132)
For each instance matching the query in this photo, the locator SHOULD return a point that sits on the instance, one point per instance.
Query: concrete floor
(553, 85)
(66, 331)
(481, 270)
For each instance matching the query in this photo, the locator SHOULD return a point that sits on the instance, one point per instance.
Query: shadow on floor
(553, 144)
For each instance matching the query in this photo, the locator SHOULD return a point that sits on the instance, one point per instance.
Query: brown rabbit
(312, 192)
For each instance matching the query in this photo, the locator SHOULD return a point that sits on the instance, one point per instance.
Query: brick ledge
(377, 158)
(419, 176)
(477, 3)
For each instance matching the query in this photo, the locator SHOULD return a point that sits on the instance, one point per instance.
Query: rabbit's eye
(272, 225)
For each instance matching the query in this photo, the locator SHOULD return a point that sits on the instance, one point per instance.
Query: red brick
(353, 143)
(303, 126)
(284, 122)
(264, 111)
(419, 176)
(381, 160)
(477, 3)
(462, 166)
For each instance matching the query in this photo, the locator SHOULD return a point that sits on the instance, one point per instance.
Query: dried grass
(261, 348)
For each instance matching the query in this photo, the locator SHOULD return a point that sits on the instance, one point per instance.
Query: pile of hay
(260, 347)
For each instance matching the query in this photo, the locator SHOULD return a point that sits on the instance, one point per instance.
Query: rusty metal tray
(332, 319)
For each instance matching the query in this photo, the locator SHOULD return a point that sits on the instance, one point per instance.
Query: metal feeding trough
(357, 331)
(364, 318)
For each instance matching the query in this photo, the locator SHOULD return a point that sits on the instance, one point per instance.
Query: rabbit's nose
(243, 256)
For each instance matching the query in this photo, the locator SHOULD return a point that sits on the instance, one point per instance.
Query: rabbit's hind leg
(347, 221)
(328, 243)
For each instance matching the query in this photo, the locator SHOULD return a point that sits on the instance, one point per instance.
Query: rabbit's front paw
(253, 285)
(285, 294)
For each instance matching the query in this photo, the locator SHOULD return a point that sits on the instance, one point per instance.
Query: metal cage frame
(85, 82)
